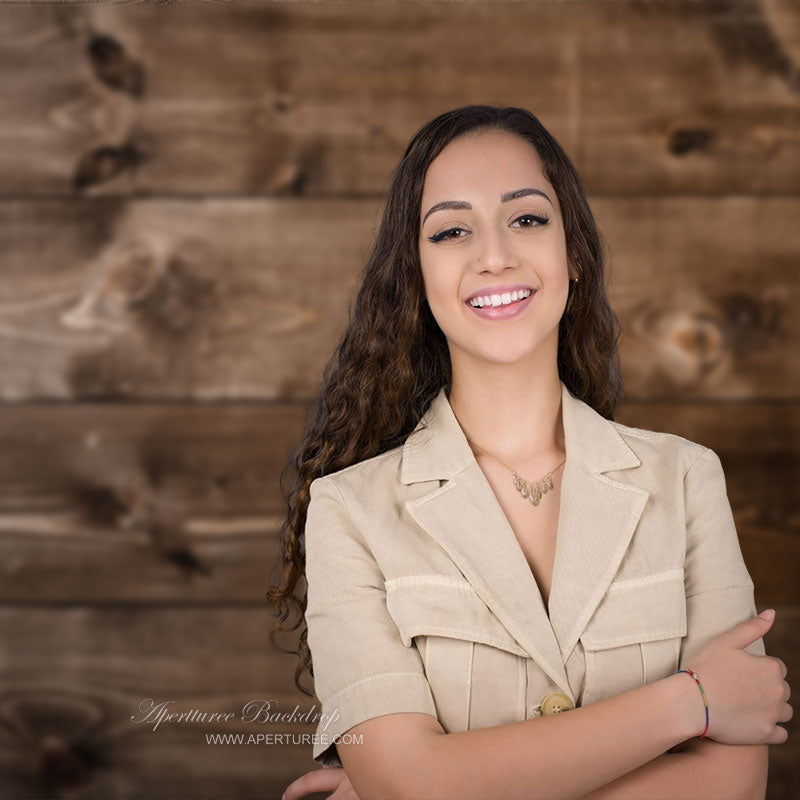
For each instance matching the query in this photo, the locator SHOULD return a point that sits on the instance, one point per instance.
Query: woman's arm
(703, 770)
(567, 755)
(727, 772)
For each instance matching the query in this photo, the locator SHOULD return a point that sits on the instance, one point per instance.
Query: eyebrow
(504, 198)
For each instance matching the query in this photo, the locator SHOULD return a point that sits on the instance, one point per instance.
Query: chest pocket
(475, 668)
(634, 636)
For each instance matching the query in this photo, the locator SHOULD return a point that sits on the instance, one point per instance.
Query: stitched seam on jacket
(374, 678)
(457, 584)
(471, 659)
(720, 589)
(445, 487)
(467, 635)
(589, 678)
(704, 451)
(642, 650)
(647, 580)
(664, 632)
(344, 502)
(641, 433)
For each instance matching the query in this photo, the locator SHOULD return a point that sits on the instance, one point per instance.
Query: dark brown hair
(393, 358)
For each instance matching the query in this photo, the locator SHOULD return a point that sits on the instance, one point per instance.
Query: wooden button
(556, 703)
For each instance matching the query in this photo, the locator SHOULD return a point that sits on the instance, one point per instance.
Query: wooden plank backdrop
(188, 192)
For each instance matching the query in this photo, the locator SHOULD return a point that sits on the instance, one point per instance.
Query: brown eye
(540, 219)
(444, 235)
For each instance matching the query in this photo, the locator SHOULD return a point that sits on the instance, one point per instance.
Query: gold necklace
(531, 491)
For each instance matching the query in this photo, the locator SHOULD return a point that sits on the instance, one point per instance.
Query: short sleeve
(719, 589)
(361, 667)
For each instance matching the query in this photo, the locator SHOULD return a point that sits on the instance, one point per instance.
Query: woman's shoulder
(660, 446)
(370, 473)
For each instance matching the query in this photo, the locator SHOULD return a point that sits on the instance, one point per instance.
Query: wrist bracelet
(692, 674)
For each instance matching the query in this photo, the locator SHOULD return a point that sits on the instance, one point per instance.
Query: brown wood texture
(76, 713)
(221, 298)
(318, 98)
(142, 504)
(188, 192)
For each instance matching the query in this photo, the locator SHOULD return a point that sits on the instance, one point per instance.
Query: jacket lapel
(597, 518)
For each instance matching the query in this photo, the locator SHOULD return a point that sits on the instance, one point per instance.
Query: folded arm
(701, 770)
(719, 595)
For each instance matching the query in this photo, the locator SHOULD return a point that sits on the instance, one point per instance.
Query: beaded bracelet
(692, 674)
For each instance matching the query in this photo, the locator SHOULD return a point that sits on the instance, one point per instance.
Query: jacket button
(556, 703)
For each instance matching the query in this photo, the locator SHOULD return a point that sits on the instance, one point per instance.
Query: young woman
(502, 581)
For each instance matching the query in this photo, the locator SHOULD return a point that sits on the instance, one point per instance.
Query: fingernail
(768, 614)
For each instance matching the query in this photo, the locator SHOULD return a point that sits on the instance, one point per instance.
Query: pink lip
(499, 288)
(503, 312)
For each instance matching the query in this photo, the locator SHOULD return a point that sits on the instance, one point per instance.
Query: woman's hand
(747, 694)
(327, 779)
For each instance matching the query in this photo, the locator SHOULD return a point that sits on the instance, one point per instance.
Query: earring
(574, 282)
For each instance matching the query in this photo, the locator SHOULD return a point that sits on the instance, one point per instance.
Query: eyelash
(540, 218)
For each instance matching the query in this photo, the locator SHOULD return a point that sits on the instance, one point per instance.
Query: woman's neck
(520, 425)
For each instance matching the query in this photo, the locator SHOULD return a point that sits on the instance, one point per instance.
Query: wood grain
(79, 686)
(320, 98)
(188, 192)
(245, 298)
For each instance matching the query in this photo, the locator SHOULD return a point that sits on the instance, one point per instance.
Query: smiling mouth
(504, 311)
(499, 300)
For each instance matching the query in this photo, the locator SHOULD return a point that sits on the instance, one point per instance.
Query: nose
(495, 252)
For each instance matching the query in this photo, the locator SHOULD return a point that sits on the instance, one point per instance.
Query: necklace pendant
(533, 492)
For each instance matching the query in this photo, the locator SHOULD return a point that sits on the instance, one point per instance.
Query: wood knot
(686, 140)
(104, 163)
(61, 765)
(114, 67)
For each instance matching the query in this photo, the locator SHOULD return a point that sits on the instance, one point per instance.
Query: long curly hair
(392, 358)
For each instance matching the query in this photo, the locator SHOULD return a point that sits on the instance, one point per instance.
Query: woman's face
(491, 245)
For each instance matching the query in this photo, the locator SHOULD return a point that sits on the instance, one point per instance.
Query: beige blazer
(420, 597)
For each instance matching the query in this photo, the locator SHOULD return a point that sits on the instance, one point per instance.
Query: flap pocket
(640, 609)
(438, 605)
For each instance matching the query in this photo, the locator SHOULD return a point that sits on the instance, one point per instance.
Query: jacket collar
(597, 517)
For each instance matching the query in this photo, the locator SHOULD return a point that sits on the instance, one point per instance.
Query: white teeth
(499, 299)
